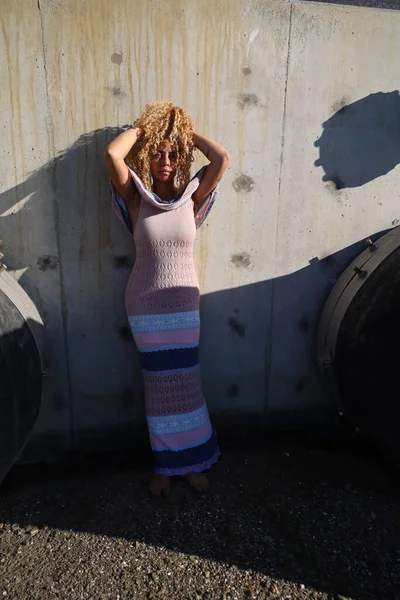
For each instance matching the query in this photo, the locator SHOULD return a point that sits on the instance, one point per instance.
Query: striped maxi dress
(162, 304)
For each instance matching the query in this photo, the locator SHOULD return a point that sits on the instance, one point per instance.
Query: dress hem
(203, 466)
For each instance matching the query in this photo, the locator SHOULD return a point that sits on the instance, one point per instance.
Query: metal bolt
(360, 272)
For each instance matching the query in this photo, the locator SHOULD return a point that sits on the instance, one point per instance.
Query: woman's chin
(164, 177)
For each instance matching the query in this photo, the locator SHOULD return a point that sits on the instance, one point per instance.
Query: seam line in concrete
(284, 104)
(271, 316)
(63, 299)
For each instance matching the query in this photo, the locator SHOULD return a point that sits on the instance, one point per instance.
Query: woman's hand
(219, 160)
(122, 144)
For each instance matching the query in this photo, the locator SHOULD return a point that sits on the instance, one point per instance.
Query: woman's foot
(160, 484)
(197, 481)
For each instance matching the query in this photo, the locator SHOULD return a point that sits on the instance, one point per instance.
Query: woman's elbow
(225, 158)
(108, 153)
(110, 156)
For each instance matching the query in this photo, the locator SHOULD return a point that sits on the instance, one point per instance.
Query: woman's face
(163, 163)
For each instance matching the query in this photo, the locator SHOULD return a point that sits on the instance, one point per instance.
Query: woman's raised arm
(219, 160)
(114, 156)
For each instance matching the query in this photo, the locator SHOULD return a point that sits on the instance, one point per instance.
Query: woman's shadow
(361, 141)
(73, 189)
(78, 281)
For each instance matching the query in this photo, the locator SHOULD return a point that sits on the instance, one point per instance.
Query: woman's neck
(166, 191)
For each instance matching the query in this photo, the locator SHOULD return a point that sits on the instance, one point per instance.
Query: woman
(161, 207)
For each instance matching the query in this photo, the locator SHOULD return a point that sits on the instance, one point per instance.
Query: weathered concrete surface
(267, 80)
(339, 57)
(237, 246)
(29, 223)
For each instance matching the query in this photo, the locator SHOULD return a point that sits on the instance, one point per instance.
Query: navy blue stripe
(186, 458)
(166, 360)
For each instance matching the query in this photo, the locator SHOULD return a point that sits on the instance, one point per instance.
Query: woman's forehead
(165, 145)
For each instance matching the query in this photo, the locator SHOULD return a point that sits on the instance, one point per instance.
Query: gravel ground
(283, 519)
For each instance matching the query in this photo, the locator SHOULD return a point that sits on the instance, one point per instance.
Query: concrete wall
(302, 96)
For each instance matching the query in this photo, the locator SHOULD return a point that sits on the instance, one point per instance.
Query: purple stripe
(182, 440)
(173, 336)
(176, 299)
(173, 398)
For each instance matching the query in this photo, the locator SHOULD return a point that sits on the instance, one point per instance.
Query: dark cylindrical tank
(21, 369)
(358, 348)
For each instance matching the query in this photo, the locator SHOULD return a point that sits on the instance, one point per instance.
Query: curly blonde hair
(159, 121)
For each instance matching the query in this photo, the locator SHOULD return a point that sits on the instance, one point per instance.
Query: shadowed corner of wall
(361, 140)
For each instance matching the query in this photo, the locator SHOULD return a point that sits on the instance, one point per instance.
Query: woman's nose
(166, 160)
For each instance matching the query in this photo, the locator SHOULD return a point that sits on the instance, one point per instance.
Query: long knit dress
(162, 304)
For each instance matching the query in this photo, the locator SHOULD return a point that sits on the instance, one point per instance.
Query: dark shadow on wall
(388, 4)
(84, 278)
(361, 141)
(262, 336)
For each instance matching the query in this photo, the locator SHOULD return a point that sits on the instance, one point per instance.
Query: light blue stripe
(167, 347)
(171, 371)
(186, 447)
(164, 322)
(178, 423)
